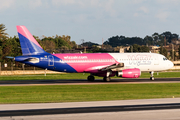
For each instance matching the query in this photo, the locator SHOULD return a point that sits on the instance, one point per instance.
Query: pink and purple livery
(106, 65)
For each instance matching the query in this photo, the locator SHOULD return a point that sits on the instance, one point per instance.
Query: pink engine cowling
(129, 73)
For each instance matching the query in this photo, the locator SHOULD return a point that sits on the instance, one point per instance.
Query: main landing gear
(106, 79)
(152, 77)
(90, 78)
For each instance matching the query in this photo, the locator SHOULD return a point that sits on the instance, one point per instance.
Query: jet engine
(129, 73)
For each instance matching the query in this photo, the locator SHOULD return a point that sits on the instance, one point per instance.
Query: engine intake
(129, 73)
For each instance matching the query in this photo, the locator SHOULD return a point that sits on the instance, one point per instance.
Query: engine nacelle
(129, 73)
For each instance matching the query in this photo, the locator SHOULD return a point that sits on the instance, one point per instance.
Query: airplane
(106, 65)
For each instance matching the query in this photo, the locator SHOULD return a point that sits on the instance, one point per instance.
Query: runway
(93, 110)
(85, 82)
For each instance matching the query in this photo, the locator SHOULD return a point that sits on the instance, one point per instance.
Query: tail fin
(29, 45)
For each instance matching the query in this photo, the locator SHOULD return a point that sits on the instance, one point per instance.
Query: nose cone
(171, 64)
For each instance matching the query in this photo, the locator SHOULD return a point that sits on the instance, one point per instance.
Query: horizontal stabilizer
(27, 59)
(10, 57)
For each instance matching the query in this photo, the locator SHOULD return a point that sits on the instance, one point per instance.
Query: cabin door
(50, 60)
(156, 60)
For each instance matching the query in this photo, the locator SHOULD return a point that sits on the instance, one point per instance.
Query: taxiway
(126, 109)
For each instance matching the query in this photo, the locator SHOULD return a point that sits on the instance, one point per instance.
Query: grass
(74, 93)
(47, 77)
(161, 75)
(80, 76)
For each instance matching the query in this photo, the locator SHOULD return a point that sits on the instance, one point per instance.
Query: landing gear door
(156, 60)
(50, 60)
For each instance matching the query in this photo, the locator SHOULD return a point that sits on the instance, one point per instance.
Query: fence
(13, 66)
(20, 69)
(176, 65)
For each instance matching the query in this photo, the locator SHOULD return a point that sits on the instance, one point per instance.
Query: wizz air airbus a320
(106, 65)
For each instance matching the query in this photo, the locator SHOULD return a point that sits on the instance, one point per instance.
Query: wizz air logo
(139, 59)
(75, 57)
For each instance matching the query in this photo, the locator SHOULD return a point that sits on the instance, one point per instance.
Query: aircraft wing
(97, 69)
(113, 66)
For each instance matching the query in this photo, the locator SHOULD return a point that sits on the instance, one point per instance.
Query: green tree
(2, 31)
(10, 47)
(169, 36)
(144, 49)
(73, 45)
(58, 42)
(89, 44)
(155, 37)
(163, 51)
(138, 48)
(48, 45)
(148, 40)
(179, 51)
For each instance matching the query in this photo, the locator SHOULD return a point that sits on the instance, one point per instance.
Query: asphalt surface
(88, 107)
(84, 81)
(172, 114)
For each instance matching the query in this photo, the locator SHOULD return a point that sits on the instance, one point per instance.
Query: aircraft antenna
(102, 43)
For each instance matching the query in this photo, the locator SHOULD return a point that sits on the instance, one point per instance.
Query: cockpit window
(165, 58)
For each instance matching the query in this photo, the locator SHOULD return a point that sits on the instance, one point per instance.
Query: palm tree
(2, 31)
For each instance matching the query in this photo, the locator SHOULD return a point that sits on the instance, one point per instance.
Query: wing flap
(97, 69)
(113, 66)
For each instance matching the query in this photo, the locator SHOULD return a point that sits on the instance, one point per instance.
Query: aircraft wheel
(152, 78)
(106, 79)
(90, 78)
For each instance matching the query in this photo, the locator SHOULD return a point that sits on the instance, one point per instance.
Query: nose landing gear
(152, 77)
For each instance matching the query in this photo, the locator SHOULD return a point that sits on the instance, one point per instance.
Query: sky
(91, 20)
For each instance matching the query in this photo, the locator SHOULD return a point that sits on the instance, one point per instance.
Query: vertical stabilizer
(29, 45)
